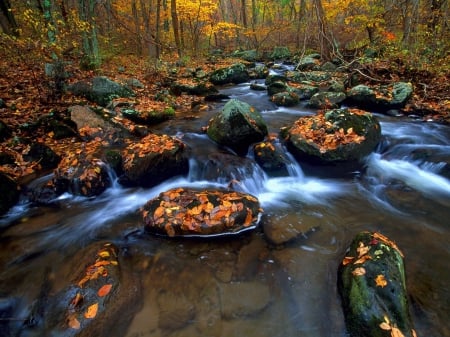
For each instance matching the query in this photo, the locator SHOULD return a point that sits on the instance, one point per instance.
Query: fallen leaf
(380, 281)
(347, 260)
(385, 326)
(91, 311)
(362, 250)
(359, 271)
(104, 290)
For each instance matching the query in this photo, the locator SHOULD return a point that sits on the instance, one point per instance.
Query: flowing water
(246, 285)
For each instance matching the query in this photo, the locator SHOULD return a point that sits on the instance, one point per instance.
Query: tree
(176, 26)
(91, 57)
(7, 20)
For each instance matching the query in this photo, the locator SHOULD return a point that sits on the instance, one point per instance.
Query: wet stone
(372, 285)
(187, 212)
(243, 299)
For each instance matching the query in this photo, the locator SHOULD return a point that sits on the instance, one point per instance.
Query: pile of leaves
(150, 144)
(180, 212)
(318, 130)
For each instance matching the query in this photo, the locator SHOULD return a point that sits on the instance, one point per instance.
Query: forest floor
(28, 94)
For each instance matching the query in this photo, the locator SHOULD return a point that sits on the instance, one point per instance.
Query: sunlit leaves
(316, 129)
(151, 144)
(381, 281)
(91, 311)
(188, 211)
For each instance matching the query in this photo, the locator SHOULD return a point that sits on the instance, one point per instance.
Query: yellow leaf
(91, 311)
(98, 169)
(103, 253)
(380, 281)
(104, 290)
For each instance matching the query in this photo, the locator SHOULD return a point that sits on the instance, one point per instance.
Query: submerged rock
(152, 160)
(337, 135)
(371, 282)
(186, 212)
(237, 126)
(102, 294)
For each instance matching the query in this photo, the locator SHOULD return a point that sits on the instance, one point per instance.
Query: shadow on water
(279, 280)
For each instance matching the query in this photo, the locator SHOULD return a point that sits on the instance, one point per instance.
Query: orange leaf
(249, 217)
(380, 281)
(104, 290)
(359, 271)
(91, 311)
(347, 260)
(158, 212)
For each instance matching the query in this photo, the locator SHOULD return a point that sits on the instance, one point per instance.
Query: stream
(246, 285)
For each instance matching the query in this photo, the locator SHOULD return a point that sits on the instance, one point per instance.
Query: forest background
(95, 31)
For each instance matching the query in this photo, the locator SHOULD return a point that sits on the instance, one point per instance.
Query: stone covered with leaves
(187, 212)
(371, 282)
(152, 160)
(270, 156)
(101, 292)
(383, 98)
(339, 135)
(237, 126)
(87, 176)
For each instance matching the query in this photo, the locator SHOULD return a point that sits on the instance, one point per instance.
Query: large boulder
(280, 53)
(81, 175)
(152, 160)
(186, 212)
(382, 98)
(285, 98)
(339, 135)
(237, 126)
(372, 285)
(237, 73)
(9, 193)
(101, 90)
(326, 99)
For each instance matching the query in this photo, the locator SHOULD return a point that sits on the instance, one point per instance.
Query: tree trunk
(7, 21)
(91, 59)
(175, 26)
(137, 26)
(324, 37)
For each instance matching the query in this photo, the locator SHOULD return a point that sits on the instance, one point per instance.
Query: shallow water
(246, 285)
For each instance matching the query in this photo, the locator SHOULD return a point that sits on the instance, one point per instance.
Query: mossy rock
(237, 126)
(372, 285)
(338, 135)
(237, 73)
